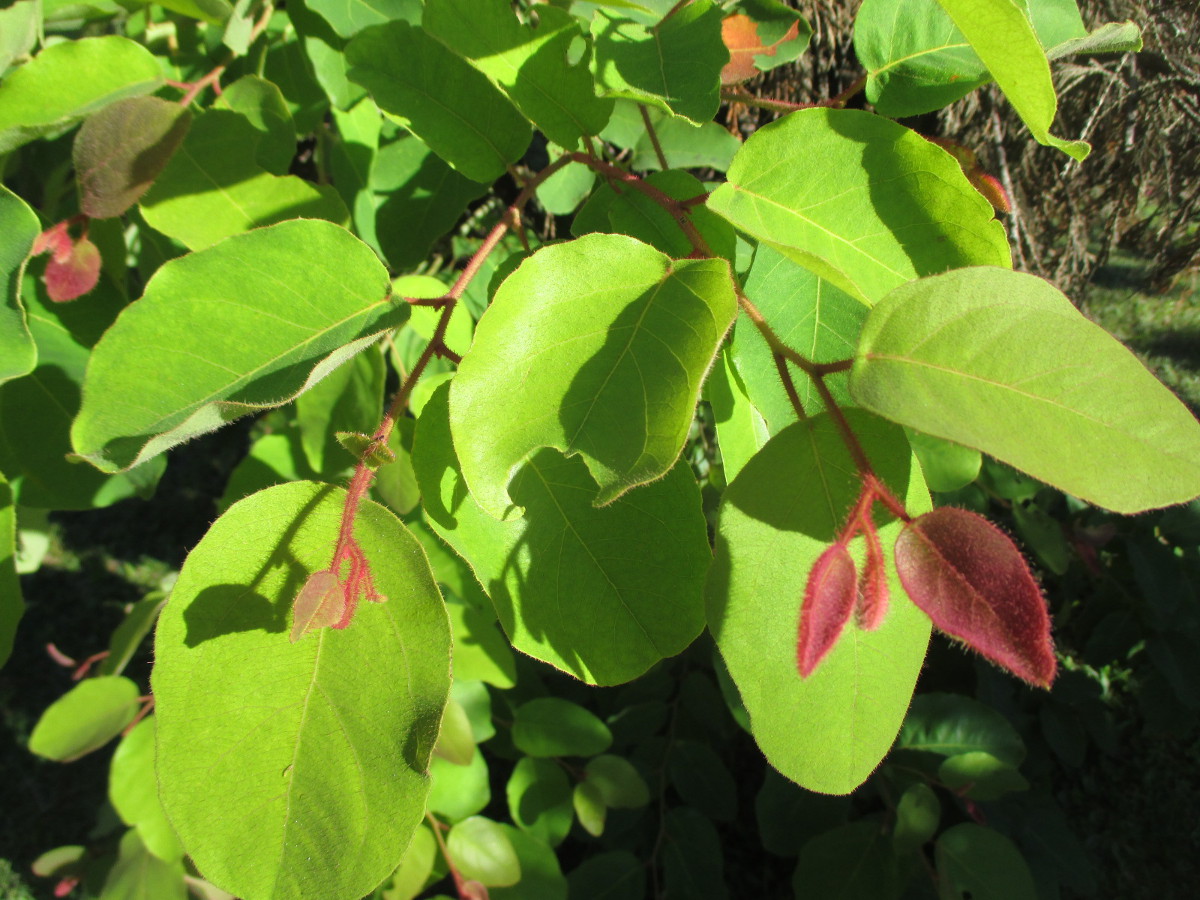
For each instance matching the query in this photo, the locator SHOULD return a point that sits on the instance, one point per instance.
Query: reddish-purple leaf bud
(971, 580)
(873, 592)
(321, 602)
(829, 599)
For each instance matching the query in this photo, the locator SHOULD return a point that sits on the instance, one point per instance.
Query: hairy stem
(658, 150)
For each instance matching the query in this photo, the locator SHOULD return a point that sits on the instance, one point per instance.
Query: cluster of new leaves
(842, 299)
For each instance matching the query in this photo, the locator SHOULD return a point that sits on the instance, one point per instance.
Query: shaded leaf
(11, 605)
(971, 580)
(276, 318)
(918, 813)
(348, 19)
(981, 864)
(854, 862)
(120, 150)
(19, 228)
(539, 799)
(481, 850)
(693, 862)
(293, 769)
(861, 201)
(459, 792)
(440, 97)
(1002, 362)
(551, 726)
(619, 784)
(950, 724)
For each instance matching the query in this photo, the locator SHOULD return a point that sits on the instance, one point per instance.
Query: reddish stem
(837, 102)
(658, 150)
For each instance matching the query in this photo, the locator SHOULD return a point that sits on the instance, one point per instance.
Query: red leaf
(873, 598)
(828, 601)
(740, 34)
(971, 580)
(320, 603)
(73, 274)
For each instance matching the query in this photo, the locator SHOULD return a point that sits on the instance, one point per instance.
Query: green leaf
(482, 851)
(350, 398)
(140, 875)
(1003, 362)
(19, 228)
(325, 51)
(853, 862)
(440, 97)
(809, 314)
(85, 718)
(459, 791)
(539, 799)
(551, 726)
(11, 605)
(349, 18)
(616, 381)
(20, 25)
(133, 792)
(456, 743)
(215, 12)
(950, 724)
(702, 780)
(563, 192)
(45, 401)
(480, 651)
(120, 150)
(275, 319)
(788, 816)
(1006, 43)
(981, 864)
(616, 875)
(415, 867)
(1115, 37)
(589, 808)
(533, 66)
(631, 573)
(741, 429)
(946, 466)
(685, 146)
(674, 65)
(861, 201)
(70, 80)
(215, 187)
(617, 781)
(918, 67)
(980, 776)
(777, 517)
(297, 769)
(541, 878)
(918, 813)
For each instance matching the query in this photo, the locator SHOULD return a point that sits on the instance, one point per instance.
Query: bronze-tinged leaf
(971, 580)
(320, 603)
(829, 599)
(740, 34)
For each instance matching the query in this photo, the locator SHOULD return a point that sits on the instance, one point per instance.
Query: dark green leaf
(551, 726)
(950, 724)
(854, 862)
(539, 799)
(693, 864)
(19, 228)
(977, 863)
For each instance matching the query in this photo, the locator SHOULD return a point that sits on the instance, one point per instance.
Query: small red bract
(829, 599)
(969, 577)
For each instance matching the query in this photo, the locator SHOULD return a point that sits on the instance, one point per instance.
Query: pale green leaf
(456, 743)
(482, 851)
(674, 65)
(945, 465)
(20, 25)
(214, 12)
(551, 726)
(777, 517)
(459, 791)
(245, 325)
(70, 80)
(325, 50)
(415, 868)
(1006, 43)
(981, 864)
(589, 808)
(133, 792)
(541, 878)
(531, 65)
(297, 769)
(11, 605)
(138, 874)
(810, 315)
(1001, 361)
(1114, 37)
(440, 97)
(741, 429)
(19, 228)
(539, 799)
(263, 106)
(630, 574)
(214, 186)
(686, 147)
(349, 17)
(616, 381)
(861, 201)
(85, 718)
